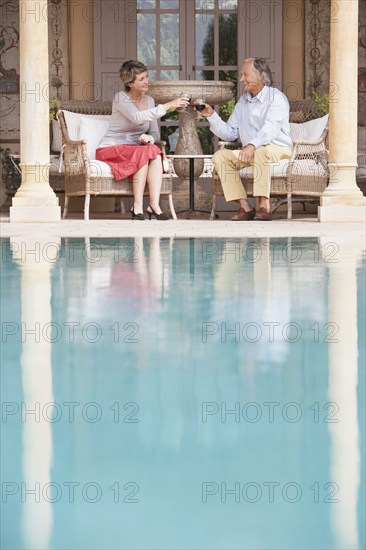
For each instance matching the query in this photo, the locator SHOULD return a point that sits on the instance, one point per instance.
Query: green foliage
(321, 101)
(227, 55)
(52, 109)
(207, 140)
(227, 109)
(228, 41)
(146, 43)
(10, 174)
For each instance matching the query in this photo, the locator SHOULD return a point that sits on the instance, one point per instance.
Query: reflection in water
(343, 382)
(137, 308)
(37, 386)
(135, 268)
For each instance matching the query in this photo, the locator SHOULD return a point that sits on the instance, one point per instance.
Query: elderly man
(261, 121)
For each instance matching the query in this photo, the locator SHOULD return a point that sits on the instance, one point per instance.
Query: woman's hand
(145, 139)
(179, 103)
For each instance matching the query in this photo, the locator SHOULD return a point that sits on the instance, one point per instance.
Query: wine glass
(200, 104)
(187, 96)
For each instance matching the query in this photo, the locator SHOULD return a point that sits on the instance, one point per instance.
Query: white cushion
(56, 136)
(279, 169)
(309, 167)
(308, 131)
(56, 164)
(92, 130)
(361, 140)
(73, 123)
(361, 152)
(99, 168)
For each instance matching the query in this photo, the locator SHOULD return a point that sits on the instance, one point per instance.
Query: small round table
(214, 92)
(191, 159)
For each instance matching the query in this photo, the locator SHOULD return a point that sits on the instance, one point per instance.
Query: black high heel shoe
(161, 216)
(137, 216)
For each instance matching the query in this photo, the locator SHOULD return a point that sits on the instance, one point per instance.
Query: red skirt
(126, 160)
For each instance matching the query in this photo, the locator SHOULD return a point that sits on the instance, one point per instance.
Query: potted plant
(321, 101)
(55, 131)
(11, 174)
(52, 110)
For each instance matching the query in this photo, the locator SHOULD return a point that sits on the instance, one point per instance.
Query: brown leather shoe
(242, 215)
(263, 214)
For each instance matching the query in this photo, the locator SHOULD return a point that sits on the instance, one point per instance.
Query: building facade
(177, 39)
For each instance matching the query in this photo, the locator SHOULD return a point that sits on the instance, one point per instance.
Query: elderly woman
(129, 144)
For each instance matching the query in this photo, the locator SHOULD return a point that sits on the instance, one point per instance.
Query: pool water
(183, 394)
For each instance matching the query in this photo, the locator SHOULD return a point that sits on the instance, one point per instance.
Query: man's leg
(227, 166)
(263, 157)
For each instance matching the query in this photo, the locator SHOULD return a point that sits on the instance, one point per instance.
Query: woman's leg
(138, 183)
(154, 180)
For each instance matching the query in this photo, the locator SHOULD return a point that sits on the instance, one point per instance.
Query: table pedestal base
(181, 197)
(188, 187)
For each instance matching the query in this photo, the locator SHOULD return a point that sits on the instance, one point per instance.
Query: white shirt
(258, 120)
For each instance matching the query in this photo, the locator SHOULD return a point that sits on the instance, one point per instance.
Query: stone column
(34, 201)
(342, 200)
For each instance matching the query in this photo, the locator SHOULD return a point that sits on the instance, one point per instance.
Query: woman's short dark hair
(128, 72)
(261, 66)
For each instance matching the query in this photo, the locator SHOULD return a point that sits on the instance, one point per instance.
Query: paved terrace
(117, 226)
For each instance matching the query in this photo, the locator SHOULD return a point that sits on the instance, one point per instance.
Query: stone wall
(9, 63)
(59, 68)
(317, 53)
(317, 28)
(362, 64)
(72, 70)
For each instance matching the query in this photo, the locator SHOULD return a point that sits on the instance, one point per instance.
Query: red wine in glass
(200, 105)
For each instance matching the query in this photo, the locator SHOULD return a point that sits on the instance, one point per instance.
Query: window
(189, 39)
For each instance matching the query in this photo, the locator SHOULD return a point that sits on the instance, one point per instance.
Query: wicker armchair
(83, 176)
(304, 176)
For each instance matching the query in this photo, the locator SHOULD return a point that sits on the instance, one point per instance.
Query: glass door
(189, 39)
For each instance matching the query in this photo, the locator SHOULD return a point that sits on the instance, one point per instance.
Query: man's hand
(246, 153)
(207, 111)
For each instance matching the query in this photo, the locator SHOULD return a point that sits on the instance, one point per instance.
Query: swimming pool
(183, 394)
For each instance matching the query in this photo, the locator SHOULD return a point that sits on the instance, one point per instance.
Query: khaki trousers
(227, 166)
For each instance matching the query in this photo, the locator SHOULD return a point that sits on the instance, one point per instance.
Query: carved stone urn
(215, 93)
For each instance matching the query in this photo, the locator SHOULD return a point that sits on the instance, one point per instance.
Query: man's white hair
(261, 67)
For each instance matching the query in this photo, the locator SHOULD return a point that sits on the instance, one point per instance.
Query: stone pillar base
(341, 214)
(35, 214)
(35, 201)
